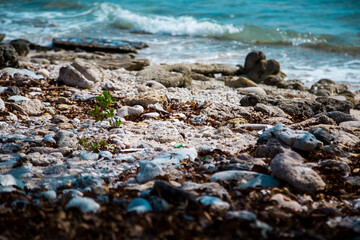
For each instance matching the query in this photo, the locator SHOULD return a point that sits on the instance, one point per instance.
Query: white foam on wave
(176, 26)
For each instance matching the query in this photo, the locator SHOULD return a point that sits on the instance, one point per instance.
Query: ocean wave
(175, 26)
(190, 26)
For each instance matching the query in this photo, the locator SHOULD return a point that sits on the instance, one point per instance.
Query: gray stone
(85, 204)
(272, 111)
(21, 46)
(9, 180)
(139, 205)
(130, 111)
(21, 173)
(255, 90)
(89, 156)
(80, 74)
(245, 179)
(50, 195)
(154, 85)
(241, 215)
(16, 98)
(149, 170)
(354, 124)
(290, 168)
(279, 198)
(298, 139)
(337, 167)
(175, 157)
(22, 72)
(66, 139)
(169, 76)
(338, 116)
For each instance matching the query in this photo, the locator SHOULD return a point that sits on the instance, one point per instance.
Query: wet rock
(245, 179)
(214, 202)
(148, 171)
(169, 76)
(85, 204)
(272, 111)
(80, 74)
(335, 167)
(21, 46)
(66, 138)
(338, 116)
(126, 111)
(146, 99)
(240, 82)
(255, 90)
(8, 56)
(97, 44)
(139, 205)
(298, 139)
(290, 168)
(9, 180)
(285, 202)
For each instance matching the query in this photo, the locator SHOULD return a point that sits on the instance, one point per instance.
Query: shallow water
(311, 39)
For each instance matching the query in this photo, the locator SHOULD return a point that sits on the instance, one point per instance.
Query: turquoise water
(311, 39)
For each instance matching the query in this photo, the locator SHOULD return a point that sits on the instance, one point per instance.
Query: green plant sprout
(104, 111)
(94, 146)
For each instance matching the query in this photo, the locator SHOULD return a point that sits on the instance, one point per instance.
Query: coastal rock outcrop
(8, 56)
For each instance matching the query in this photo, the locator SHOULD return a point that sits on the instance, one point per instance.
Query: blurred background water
(312, 39)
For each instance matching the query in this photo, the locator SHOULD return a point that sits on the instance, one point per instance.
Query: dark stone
(299, 108)
(338, 116)
(295, 84)
(2, 36)
(171, 193)
(331, 104)
(327, 87)
(275, 80)
(252, 59)
(322, 135)
(8, 56)
(335, 167)
(21, 46)
(97, 44)
(271, 148)
(251, 99)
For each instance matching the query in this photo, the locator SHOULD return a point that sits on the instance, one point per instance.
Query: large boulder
(8, 56)
(258, 69)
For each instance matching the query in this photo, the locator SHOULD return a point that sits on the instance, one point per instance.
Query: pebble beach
(203, 151)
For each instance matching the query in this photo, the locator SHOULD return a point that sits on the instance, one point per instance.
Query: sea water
(312, 39)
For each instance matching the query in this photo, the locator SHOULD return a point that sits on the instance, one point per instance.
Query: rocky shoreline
(202, 152)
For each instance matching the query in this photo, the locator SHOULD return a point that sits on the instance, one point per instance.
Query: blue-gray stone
(139, 205)
(85, 204)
